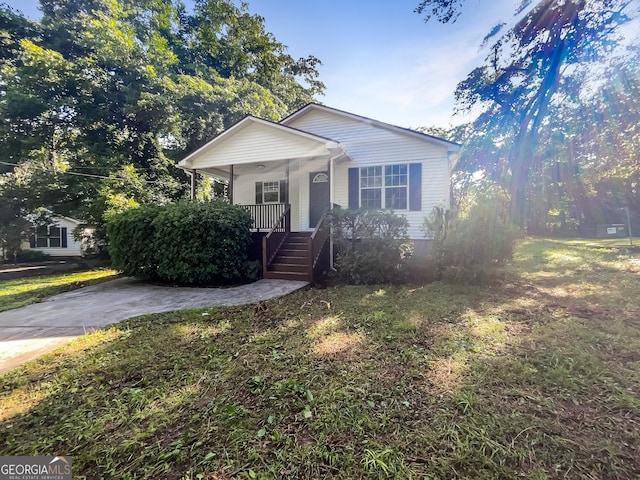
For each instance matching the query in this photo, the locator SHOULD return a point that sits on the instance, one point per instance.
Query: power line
(82, 174)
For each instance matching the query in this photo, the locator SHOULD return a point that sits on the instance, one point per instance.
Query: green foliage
(372, 245)
(468, 245)
(185, 243)
(14, 229)
(131, 235)
(550, 96)
(100, 97)
(26, 256)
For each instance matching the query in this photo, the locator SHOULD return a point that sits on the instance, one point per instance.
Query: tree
(530, 69)
(101, 93)
(14, 229)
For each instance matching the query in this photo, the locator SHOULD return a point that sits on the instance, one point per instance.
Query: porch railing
(272, 242)
(318, 247)
(265, 215)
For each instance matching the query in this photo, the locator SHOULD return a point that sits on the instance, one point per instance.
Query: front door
(318, 196)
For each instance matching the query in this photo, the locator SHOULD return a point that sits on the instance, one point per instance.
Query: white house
(56, 239)
(294, 170)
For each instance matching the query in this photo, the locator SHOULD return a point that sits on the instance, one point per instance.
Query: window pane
(395, 175)
(42, 242)
(271, 197)
(270, 192)
(42, 231)
(54, 241)
(54, 231)
(371, 198)
(396, 198)
(370, 177)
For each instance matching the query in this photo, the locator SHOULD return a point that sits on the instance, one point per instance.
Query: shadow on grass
(442, 381)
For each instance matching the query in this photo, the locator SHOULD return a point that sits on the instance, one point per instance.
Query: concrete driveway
(31, 331)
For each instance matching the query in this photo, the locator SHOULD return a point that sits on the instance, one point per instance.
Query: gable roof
(59, 216)
(451, 146)
(297, 137)
(68, 219)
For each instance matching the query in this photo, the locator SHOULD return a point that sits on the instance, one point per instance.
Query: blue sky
(379, 58)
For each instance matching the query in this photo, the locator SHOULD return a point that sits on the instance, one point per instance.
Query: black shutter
(354, 188)
(258, 193)
(63, 237)
(283, 192)
(32, 241)
(415, 186)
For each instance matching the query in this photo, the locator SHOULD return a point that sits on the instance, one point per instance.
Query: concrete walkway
(31, 331)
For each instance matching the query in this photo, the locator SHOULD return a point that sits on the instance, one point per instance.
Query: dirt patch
(445, 375)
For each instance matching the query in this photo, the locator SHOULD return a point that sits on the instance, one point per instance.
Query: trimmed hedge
(184, 243)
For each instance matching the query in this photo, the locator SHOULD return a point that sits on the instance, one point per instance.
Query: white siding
(73, 249)
(365, 142)
(257, 143)
(369, 144)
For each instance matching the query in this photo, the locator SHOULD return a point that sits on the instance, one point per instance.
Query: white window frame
(48, 238)
(268, 187)
(368, 181)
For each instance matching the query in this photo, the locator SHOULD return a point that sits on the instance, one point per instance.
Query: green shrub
(371, 245)
(185, 243)
(422, 269)
(467, 245)
(28, 256)
(131, 235)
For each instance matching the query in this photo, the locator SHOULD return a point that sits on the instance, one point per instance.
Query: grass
(25, 291)
(536, 375)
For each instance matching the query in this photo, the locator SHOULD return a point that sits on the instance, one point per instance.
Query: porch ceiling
(254, 142)
(262, 167)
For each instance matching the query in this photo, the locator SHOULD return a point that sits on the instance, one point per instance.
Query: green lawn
(25, 291)
(536, 375)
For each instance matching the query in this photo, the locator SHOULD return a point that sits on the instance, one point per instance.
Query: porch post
(194, 184)
(231, 184)
(286, 181)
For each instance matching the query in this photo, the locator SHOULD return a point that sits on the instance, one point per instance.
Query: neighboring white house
(320, 156)
(56, 239)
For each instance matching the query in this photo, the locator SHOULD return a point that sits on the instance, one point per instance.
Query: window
(50, 237)
(386, 187)
(371, 187)
(270, 192)
(395, 182)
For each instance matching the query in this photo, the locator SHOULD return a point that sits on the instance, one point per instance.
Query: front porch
(287, 254)
(284, 178)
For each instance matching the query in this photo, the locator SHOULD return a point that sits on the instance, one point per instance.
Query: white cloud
(410, 85)
(410, 80)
